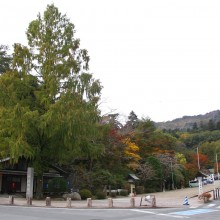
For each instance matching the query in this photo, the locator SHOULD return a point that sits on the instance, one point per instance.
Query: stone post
(214, 194)
(29, 200)
(48, 201)
(68, 202)
(132, 202)
(11, 200)
(30, 184)
(153, 203)
(110, 203)
(89, 202)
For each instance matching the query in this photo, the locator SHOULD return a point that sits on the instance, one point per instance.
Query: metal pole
(216, 157)
(172, 174)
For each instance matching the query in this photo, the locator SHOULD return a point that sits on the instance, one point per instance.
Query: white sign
(200, 185)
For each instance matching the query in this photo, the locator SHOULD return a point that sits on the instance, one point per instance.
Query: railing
(216, 193)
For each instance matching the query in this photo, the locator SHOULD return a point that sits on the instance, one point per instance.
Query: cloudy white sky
(159, 58)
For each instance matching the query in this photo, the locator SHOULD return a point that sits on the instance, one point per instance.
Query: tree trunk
(39, 187)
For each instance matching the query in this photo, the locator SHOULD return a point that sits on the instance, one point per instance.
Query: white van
(193, 183)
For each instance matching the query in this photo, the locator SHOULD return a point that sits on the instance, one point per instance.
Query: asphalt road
(36, 213)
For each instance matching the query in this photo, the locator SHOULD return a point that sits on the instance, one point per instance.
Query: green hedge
(85, 193)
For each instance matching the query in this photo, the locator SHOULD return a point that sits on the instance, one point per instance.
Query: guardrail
(216, 193)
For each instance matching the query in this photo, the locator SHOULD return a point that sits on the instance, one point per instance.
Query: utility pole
(172, 173)
(198, 158)
(216, 157)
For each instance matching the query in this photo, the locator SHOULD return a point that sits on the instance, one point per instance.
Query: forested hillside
(209, 121)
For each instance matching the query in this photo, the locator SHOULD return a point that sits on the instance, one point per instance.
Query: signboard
(200, 185)
(30, 182)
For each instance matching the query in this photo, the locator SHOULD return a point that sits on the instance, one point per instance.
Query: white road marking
(193, 207)
(148, 212)
(211, 205)
(173, 216)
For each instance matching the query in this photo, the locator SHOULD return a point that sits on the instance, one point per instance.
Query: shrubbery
(57, 185)
(113, 194)
(140, 189)
(100, 195)
(124, 192)
(85, 193)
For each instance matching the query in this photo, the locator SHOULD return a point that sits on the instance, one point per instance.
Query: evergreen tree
(5, 59)
(211, 125)
(131, 124)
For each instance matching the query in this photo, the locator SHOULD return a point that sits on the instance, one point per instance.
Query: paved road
(36, 213)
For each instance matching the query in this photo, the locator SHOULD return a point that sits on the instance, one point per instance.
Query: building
(13, 177)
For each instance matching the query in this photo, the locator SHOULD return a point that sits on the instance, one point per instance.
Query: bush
(124, 192)
(73, 196)
(113, 194)
(150, 190)
(85, 193)
(57, 185)
(140, 189)
(100, 195)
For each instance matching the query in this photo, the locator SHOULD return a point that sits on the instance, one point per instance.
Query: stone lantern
(132, 179)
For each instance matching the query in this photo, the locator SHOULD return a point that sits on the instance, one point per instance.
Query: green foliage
(155, 163)
(101, 178)
(5, 59)
(140, 189)
(57, 185)
(49, 101)
(123, 193)
(85, 193)
(194, 140)
(210, 149)
(100, 195)
(151, 189)
(113, 194)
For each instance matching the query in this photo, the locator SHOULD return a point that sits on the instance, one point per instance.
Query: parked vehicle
(193, 183)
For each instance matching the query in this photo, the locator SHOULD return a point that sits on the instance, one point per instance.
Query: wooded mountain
(191, 122)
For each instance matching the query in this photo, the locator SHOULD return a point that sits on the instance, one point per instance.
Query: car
(193, 183)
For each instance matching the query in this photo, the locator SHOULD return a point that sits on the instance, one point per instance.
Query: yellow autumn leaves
(131, 153)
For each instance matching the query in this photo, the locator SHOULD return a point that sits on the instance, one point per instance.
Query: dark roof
(24, 173)
(58, 169)
(133, 177)
(201, 174)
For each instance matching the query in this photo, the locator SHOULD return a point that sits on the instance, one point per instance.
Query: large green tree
(49, 101)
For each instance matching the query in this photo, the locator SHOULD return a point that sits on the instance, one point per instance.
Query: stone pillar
(89, 202)
(11, 200)
(68, 202)
(200, 185)
(153, 203)
(48, 201)
(29, 200)
(132, 202)
(30, 183)
(110, 203)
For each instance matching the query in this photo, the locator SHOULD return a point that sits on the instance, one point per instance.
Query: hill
(188, 122)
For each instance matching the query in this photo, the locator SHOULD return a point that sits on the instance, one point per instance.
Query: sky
(159, 58)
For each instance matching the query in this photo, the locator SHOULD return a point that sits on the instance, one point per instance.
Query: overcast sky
(159, 58)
